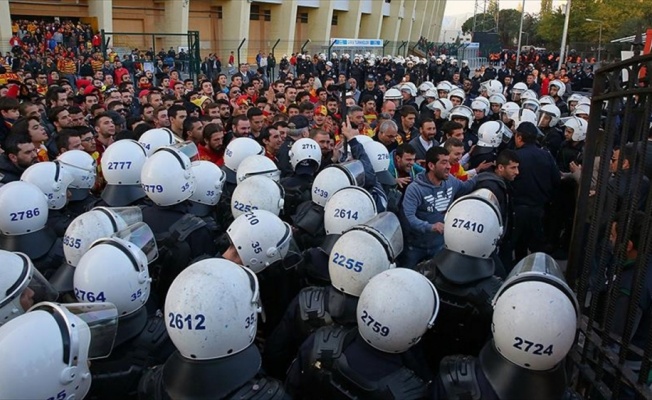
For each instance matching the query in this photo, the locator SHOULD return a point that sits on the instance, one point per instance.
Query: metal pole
(600, 44)
(274, 55)
(304, 45)
(562, 51)
(239, 47)
(385, 43)
(520, 34)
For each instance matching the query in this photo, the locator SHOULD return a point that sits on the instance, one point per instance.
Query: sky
(456, 7)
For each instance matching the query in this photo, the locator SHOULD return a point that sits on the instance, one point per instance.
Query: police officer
(379, 158)
(53, 179)
(168, 181)
(83, 168)
(298, 128)
(202, 203)
(375, 360)
(257, 193)
(122, 163)
(215, 356)
(464, 275)
(464, 116)
(54, 343)
(553, 137)
(534, 324)
(21, 286)
(305, 158)
(23, 226)
(491, 135)
(369, 249)
(115, 270)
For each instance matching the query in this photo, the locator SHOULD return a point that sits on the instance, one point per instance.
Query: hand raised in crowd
(485, 165)
(348, 131)
(438, 227)
(403, 182)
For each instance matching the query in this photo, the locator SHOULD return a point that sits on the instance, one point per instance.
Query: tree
(493, 9)
(483, 23)
(509, 23)
(546, 7)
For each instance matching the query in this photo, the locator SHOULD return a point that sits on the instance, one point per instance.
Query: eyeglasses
(88, 139)
(235, 92)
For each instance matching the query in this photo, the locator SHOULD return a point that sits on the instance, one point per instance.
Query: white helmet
(305, 151)
(425, 86)
(236, 151)
(257, 193)
(81, 166)
(461, 112)
(24, 208)
(379, 158)
(167, 176)
(535, 314)
(410, 88)
(457, 92)
(21, 285)
(443, 105)
(473, 224)
(552, 111)
(364, 251)
(392, 94)
(510, 109)
(257, 165)
(197, 319)
(497, 98)
(154, 139)
(524, 115)
(529, 94)
(561, 87)
(518, 89)
(54, 343)
(530, 104)
(53, 179)
(579, 127)
(544, 100)
(584, 100)
(444, 86)
(431, 93)
(492, 134)
(122, 162)
(582, 109)
(491, 87)
(480, 105)
(115, 270)
(208, 189)
(335, 177)
(260, 238)
(346, 208)
(395, 309)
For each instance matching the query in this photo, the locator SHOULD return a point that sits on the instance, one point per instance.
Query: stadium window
(388, 1)
(219, 12)
(302, 17)
(334, 20)
(254, 14)
(267, 15)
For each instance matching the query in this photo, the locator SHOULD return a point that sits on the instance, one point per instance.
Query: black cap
(299, 122)
(371, 78)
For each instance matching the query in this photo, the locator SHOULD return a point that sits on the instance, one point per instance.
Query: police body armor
(234, 377)
(297, 191)
(330, 376)
(309, 218)
(43, 247)
(321, 306)
(142, 342)
(464, 321)
(174, 253)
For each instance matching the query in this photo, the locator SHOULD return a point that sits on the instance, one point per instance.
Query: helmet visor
(387, 229)
(101, 320)
(189, 149)
(30, 287)
(354, 170)
(141, 235)
(122, 216)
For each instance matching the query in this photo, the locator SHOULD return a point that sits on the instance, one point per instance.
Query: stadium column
(320, 20)
(103, 11)
(434, 31)
(407, 21)
(349, 21)
(370, 24)
(391, 25)
(283, 26)
(235, 27)
(176, 21)
(421, 8)
(5, 26)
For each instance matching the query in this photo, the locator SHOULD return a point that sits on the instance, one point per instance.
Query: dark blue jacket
(538, 177)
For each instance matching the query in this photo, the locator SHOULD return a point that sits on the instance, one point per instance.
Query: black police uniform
(466, 287)
(485, 377)
(336, 363)
(236, 377)
(553, 137)
(43, 247)
(141, 342)
(311, 309)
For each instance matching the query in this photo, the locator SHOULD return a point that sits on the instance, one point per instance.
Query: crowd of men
(360, 227)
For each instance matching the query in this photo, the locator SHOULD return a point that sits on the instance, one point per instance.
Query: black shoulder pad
(312, 303)
(457, 374)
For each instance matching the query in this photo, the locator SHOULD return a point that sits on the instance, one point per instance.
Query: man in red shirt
(213, 150)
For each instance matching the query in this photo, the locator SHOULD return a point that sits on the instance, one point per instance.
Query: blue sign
(358, 42)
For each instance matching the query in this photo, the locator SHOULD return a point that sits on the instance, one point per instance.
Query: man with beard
(213, 150)
(19, 154)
